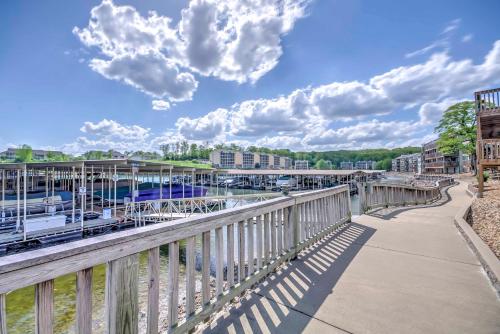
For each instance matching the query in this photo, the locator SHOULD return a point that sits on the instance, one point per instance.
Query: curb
(488, 260)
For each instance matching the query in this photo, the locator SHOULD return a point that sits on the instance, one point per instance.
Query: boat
(151, 191)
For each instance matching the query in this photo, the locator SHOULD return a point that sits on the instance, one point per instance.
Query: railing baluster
(266, 239)
(84, 301)
(190, 275)
(122, 306)
(250, 251)
(219, 261)
(153, 290)
(230, 254)
(279, 221)
(241, 252)
(173, 283)
(44, 307)
(258, 231)
(273, 235)
(205, 267)
(286, 230)
(3, 314)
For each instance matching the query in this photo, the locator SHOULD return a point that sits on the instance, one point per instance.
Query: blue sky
(292, 73)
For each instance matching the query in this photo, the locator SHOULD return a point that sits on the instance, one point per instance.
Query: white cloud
(231, 40)
(160, 105)
(451, 26)
(237, 40)
(442, 43)
(309, 117)
(151, 73)
(467, 38)
(208, 127)
(112, 129)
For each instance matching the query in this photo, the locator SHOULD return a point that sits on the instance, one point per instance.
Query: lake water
(20, 303)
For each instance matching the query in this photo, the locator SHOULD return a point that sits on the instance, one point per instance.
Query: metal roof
(321, 172)
(121, 164)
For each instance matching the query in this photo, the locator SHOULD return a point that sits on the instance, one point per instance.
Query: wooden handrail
(269, 233)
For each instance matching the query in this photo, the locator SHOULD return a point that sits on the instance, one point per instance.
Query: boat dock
(43, 201)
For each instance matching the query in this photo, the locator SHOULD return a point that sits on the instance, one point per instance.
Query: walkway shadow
(392, 212)
(289, 299)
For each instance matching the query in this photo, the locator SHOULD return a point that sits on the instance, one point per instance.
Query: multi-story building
(285, 163)
(247, 160)
(408, 163)
(11, 154)
(264, 160)
(437, 163)
(348, 165)
(365, 165)
(301, 164)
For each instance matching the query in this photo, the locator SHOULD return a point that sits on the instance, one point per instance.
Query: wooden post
(250, 245)
(219, 261)
(153, 290)
(230, 254)
(480, 175)
(241, 251)
(3, 314)
(258, 231)
(173, 283)
(44, 307)
(190, 275)
(84, 301)
(122, 295)
(205, 268)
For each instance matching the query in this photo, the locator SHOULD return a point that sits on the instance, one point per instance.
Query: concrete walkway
(402, 271)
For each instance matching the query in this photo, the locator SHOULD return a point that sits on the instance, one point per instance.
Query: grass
(183, 163)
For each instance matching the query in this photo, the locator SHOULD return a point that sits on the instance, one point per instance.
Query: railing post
(84, 301)
(3, 314)
(293, 220)
(122, 295)
(44, 307)
(153, 290)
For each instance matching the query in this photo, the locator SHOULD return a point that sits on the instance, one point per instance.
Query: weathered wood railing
(490, 149)
(378, 195)
(168, 209)
(268, 234)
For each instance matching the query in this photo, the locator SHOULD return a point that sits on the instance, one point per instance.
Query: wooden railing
(490, 149)
(268, 234)
(169, 209)
(488, 101)
(385, 195)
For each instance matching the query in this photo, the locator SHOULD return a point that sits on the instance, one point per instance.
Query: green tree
(385, 164)
(457, 130)
(322, 164)
(24, 154)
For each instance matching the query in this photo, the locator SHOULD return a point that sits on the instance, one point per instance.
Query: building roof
(320, 172)
(121, 164)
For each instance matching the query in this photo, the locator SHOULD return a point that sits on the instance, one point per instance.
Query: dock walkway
(395, 271)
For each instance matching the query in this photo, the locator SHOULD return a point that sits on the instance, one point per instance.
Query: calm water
(20, 303)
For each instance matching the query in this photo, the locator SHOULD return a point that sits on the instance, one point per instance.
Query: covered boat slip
(312, 179)
(47, 198)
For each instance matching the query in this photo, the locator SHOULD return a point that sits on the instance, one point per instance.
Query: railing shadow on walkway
(393, 212)
(287, 301)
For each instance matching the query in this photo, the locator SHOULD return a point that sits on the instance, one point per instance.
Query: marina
(48, 203)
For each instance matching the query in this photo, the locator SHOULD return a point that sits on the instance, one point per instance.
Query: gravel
(485, 216)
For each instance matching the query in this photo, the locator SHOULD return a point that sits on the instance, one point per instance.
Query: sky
(298, 74)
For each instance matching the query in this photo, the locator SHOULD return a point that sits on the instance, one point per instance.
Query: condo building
(408, 163)
(437, 163)
(248, 160)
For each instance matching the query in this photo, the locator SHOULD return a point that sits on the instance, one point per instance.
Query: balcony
(487, 102)
(490, 151)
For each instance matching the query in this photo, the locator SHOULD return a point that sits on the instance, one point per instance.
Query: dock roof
(121, 164)
(311, 172)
